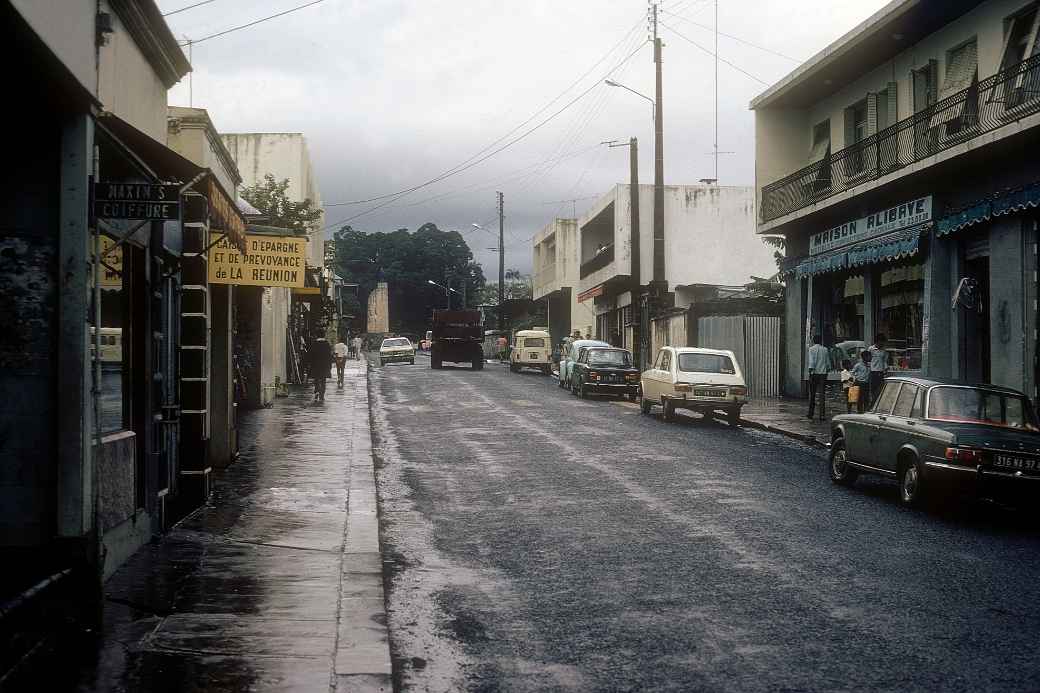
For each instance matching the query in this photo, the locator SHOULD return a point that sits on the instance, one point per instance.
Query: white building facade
(555, 279)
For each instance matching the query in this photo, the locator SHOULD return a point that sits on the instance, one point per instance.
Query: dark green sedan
(604, 371)
(941, 439)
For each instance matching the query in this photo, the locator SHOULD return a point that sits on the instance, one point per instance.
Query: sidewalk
(788, 416)
(276, 584)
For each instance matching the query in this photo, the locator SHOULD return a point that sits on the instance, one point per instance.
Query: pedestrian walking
(878, 366)
(819, 363)
(357, 344)
(319, 358)
(340, 352)
(861, 379)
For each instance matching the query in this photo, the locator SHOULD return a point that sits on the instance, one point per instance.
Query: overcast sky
(392, 93)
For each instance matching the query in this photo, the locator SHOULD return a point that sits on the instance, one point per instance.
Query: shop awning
(1007, 202)
(893, 246)
(167, 166)
(886, 249)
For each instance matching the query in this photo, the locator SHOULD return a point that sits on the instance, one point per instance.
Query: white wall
(127, 83)
(67, 28)
(284, 155)
(195, 138)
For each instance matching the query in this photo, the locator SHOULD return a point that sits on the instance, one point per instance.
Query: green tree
(271, 199)
(407, 261)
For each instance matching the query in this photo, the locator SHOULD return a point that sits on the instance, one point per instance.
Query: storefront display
(901, 314)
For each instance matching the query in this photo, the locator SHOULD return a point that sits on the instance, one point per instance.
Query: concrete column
(795, 310)
(1006, 305)
(75, 481)
(220, 391)
(939, 282)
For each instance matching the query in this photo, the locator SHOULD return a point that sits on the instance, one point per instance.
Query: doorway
(975, 320)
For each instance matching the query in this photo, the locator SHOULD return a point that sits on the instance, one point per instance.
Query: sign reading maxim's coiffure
(269, 261)
(137, 201)
(892, 219)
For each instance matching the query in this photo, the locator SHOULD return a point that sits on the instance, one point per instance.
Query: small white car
(396, 349)
(531, 349)
(704, 380)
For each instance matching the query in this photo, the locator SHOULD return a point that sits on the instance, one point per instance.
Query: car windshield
(609, 357)
(706, 363)
(401, 342)
(978, 406)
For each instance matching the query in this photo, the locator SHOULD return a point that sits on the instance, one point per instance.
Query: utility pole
(659, 276)
(501, 258)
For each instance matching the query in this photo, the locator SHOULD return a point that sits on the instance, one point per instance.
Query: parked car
(605, 371)
(394, 349)
(702, 380)
(571, 355)
(940, 439)
(531, 349)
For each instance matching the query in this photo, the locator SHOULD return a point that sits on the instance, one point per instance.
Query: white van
(531, 349)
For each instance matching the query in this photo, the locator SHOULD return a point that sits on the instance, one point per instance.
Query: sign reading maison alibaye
(269, 261)
(151, 201)
(900, 216)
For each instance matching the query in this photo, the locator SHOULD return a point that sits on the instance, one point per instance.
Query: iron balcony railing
(598, 261)
(983, 107)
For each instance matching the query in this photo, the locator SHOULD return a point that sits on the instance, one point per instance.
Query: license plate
(709, 393)
(1026, 464)
(533, 356)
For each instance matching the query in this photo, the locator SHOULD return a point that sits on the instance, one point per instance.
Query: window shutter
(872, 113)
(933, 80)
(850, 127)
(961, 69)
(892, 92)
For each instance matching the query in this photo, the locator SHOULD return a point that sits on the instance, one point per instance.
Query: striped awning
(894, 246)
(1007, 202)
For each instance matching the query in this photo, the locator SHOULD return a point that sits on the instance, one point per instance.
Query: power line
(189, 7)
(462, 164)
(246, 26)
(731, 36)
(597, 83)
(721, 59)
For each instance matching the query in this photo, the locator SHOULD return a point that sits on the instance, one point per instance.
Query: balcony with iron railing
(983, 107)
(601, 259)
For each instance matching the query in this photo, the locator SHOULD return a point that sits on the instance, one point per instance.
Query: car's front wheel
(669, 410)
(911, 484)
(582, 390)
(841, 471)
(645, 405)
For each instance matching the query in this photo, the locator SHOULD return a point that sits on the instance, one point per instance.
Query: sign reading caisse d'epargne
(114, 200)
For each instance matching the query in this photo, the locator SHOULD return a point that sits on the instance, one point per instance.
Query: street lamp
(612, 83)
(448, 291)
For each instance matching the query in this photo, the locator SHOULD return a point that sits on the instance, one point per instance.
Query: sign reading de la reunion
(137, 201)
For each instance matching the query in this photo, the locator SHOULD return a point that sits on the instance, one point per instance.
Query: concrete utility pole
(659, 276)
(501, 259)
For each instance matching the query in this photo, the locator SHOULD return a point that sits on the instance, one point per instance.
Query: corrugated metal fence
(756, 342)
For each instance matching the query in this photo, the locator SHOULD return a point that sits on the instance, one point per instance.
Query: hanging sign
(226, 216)
(156, 202)
(900, 216)
(268, 261)
(112, 267)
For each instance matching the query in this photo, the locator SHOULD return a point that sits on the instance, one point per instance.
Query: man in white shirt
(878, 366)
(819, 364)
(340, 352)
(357, 347)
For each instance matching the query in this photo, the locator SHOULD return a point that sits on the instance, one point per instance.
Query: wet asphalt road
(539, 542)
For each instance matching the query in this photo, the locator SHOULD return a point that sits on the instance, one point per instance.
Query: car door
(896, 428)
(873, 421)
(651, 389)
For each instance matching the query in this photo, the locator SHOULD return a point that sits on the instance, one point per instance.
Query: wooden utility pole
(501, 259)
(659, 276)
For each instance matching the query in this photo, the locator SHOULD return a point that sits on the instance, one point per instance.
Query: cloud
(391, 93)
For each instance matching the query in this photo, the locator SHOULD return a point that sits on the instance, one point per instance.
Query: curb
(361, 661)
(802, 437)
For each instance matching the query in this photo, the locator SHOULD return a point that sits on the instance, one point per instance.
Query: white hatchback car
(704, 380)
(396, 349)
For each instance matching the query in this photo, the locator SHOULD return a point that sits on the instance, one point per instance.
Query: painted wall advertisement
(268, 261)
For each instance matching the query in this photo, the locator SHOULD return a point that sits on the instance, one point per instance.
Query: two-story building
(555, 279)
(709, 238)
(898, 165)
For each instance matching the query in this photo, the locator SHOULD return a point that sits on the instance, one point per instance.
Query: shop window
(902, 315)
(114, 349)
(847, 306)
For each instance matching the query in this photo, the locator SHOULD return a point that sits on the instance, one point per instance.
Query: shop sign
(225, 215)
(268, 261)
(900, 216)
(112, 267)
(149, 201)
